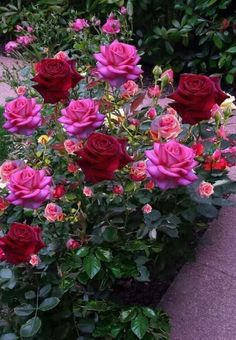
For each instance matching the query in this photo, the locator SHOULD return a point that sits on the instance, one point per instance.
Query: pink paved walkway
(201, 301)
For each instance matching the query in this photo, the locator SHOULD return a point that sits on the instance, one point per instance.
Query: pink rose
(25, 40)
(151, 113)
(79, 24)
(22, 116)
(34, 260)
(138, 171)
(154, 91)
(21, 90)
(118, 189)
(171, 164)
(111, 26)
(61, 55)
(147, 208)
(166, 126)
(53, 212)
(29, 188)
(167, 76)
(9, 167)
(123, 10)
(30, 29)
(117, 63)
(11, 46)
(205, 189)
(129, 89)
(72, 145)
(88, 192)
(19, 28)
(81, 117)
(73, 244)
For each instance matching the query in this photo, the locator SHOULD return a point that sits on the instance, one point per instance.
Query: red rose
(55, 77)
(58, 191)
(195, 97)
(101, 156)
(21, 242)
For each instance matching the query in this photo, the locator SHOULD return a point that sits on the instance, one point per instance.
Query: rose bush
(107, 196)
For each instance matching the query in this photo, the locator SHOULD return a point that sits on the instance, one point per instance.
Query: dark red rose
(55, 78)
(101, 156)
(195, 97)
(21, 242)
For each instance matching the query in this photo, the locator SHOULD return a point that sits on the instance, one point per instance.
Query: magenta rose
(29, 188)
(195, 97)
(11, 46)
(81, 117)
(171, 165)
(112, 26)
(117, 63)
(22, 116)
(21, 242)
(79, 24)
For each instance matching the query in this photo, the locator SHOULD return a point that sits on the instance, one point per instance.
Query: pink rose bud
(150, 185)
(118, 189)
(72, 145)
(3, 204)
(30, 29)
(53, 212)
(11, 46)
(123, 10)
(25, 40)
(167, 77)
(34, 260)
(217, 154)
(19, 28)
(138, 171)
(154, 91)
(171, 111)
(134, 121)
(21, 90)
(166, 126)
(88, 192)
(72, 168)
(222, 133)
(147, 208)
(151, 113)
(97, 22)
(73, 244)
(205, 189)
(216, 111)
(112, 26)
(61, 56)
(79, 24)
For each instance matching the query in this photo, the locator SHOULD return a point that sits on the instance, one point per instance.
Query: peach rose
(53, 212)
(205, 189)
(166, 126)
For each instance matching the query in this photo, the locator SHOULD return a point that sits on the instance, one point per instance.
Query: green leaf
(49, 303)
(149, 312)
(30, 328)
(9, 336)
(127, 314)
(45, 290)
(24, 310)
(207, 210)
(83, 251)
(6, 274)
(30, 295)
(110, 234)
(92, 265)
(103, 254)
(217, 41)
(231, 49)
(139, 326)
